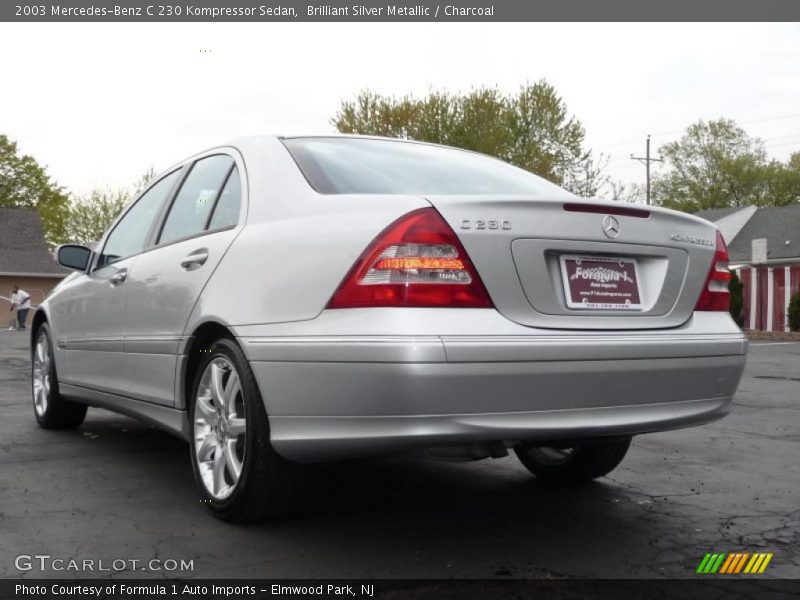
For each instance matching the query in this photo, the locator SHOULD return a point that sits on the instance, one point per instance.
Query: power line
(621, 167)
(792, 116)
(780, 137)
(795, 143)
(675, 131)
(633, 139)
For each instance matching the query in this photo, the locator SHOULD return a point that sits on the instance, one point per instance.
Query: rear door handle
(118, 277)
(195, 259)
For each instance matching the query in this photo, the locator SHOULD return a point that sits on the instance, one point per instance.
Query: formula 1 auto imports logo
(734, 563)
(600, 274)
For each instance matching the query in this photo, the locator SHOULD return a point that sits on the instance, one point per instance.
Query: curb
(784, 336)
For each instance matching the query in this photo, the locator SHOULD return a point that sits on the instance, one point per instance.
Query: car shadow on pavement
(380, 517)
(406, 486)
(391, 487)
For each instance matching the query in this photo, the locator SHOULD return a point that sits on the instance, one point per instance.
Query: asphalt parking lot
(117, 489)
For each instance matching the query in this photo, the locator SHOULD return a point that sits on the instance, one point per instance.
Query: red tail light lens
(715, 294)
(415, 262)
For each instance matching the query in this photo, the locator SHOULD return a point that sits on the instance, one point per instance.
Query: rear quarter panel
(296, 247)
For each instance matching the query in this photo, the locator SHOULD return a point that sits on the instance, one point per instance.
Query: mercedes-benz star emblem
(611, 226)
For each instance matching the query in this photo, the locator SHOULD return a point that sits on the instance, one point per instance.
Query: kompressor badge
(690, 239)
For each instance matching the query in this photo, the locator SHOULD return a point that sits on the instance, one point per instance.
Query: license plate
(601, 282)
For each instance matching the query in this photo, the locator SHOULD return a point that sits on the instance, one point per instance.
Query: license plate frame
(606, 285)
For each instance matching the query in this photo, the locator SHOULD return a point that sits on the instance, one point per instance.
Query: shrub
(794, 312)
(737, 299)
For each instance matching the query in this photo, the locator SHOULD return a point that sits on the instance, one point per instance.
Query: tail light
(415, 262)
(715, 294)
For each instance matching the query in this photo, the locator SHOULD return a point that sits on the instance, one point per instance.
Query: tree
(26, 184)
(794, 312)
(91, 215)
(736, 290)
(144, 180)
(619, 191)
(531, 129)
(716, 164)
(786, 180)
(591, 179)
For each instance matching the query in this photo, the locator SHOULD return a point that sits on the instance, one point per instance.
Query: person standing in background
(21, 300)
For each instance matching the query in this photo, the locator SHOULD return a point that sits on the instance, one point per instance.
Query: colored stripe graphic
(759, 562)
(727, 564)
(734, 563)
(741, 562)
(718, 563)
(711, 563)
(767, 558)
(703, 563)
(754, 563)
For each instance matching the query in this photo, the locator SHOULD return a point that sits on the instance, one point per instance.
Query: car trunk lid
(574, 264)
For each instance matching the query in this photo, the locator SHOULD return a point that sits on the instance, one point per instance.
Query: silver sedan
(289, 300)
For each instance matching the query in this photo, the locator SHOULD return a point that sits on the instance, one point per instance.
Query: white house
(764, 247)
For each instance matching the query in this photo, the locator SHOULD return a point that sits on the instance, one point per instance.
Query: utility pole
(646, 160)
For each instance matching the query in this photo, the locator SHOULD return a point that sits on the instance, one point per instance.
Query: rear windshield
(365, 166)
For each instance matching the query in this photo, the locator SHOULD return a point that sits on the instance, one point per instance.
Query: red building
(764, 246)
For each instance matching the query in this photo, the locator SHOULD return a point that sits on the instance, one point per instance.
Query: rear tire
(239, 476)
(51, 410)
(576, 464)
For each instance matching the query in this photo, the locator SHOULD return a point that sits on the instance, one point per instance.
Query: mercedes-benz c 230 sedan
(288, 300)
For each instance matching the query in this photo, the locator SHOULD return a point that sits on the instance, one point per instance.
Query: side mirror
(73, 256)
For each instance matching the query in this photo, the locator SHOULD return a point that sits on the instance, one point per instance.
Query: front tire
(575, 464)
(239, 475)
(51, 410)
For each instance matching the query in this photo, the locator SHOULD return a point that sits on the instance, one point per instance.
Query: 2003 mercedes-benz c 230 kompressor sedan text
(287, 300)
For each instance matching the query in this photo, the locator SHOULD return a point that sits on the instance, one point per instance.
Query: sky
(99, 104)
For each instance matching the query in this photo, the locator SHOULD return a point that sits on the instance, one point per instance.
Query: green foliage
(531, 129)
(786, 180)
(716, 164)
(620, 191)
(25, 184)
(144, 180)
(90, 216)
(794, 312)
(736, 289)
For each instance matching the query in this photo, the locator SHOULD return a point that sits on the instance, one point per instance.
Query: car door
(90, 311)
(165, 283)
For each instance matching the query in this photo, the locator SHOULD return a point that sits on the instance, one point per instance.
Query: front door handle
(195, 259)
(118, 277)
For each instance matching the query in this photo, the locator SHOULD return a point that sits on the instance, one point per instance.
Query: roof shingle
(715, 214)
(22, 246)
(779, 225)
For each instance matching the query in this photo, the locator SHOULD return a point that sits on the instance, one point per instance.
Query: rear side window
(226, 212)
(370, 166)
(193, 204)
(131, 233)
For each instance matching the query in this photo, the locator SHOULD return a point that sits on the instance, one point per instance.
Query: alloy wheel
(41, 375)
(219, 428)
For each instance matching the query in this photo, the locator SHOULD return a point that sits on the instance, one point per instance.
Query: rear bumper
(332, 397)
(315, 439)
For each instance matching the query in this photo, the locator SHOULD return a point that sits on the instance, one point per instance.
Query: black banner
(755, 587)
(388, 10)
